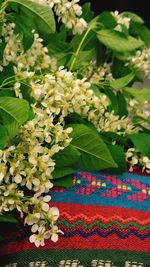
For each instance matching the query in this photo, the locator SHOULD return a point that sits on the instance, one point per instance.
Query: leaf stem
(92, 26)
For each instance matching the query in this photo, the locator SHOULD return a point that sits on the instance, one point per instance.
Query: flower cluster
(68, 12)
(133, 157)
(29, 165)
(121, 20)
(62, 93)
(97, 75)
(34, 59)
(141, 109)
(142, 61)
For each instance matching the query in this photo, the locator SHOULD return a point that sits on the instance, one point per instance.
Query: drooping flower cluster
(142, 61)
(68, 12)
(121, 20)
(34, 59)
(29, 165)
(134, 158)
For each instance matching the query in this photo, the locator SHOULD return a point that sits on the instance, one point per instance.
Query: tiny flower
(37, 239)
(18, 179)
(32, 218)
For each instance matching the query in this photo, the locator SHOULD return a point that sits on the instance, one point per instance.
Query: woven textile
(106, 222)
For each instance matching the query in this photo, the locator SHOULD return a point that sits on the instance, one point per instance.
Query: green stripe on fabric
(53, 257)
(105, 226)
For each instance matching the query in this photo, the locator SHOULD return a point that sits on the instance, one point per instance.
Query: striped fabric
(106, 223)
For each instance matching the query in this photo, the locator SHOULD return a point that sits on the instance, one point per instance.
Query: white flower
(32, 218)
(53, 233)
(145, 162)
(37, 239)
(18, 179)
(141, 61)
(121, 20)
(53, 214)
(80, 26)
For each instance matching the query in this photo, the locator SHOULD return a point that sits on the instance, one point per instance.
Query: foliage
(54, 120)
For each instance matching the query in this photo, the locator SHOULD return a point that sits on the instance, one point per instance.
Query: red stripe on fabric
(107, 212)
(138, 170)
(95, 242)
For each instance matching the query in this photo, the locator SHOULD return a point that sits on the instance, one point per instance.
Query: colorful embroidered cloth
(106, 223)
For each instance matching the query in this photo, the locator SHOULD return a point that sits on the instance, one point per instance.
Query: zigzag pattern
(106, 234)
(98, 217)
(103, 225)
(84, 226)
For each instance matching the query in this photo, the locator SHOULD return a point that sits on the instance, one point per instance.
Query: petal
(54, 237)
(45, 207)
(47, 235)
(32, 238)
(47, 198)
(34, 228)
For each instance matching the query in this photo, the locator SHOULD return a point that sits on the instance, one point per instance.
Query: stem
(80, 45)
(2, 9)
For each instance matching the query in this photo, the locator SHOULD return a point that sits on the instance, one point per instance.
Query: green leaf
(74, 118)
(59, 49)
(118, 154)
(107, 19)
(8, 218)
(144, 34)
(134, 17)
(124, 30)
(87, 13)
(119, 69)
(2, 48)
(65, 181)
(96, 90)
(122, 82)
(140, 94)
(66, 157)
(42, 15)
(142, 142)
(83, 59)
(61, 172)
(7, 93)
(122, 105)
(113, 99)
(3, 136)
(23, 27)
(109, 137)
(94, 153)
(117, 41)
(1, 1)
(16, 108)
(117, 102)
(31, 114)
(14, 112)
(7, 73)
(88, 44)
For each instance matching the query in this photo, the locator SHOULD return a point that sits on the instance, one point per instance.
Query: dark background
(140, 7)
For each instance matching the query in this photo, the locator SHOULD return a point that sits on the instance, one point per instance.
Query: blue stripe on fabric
(137, 196)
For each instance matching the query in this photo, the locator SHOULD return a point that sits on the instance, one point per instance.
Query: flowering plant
(67, 102)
